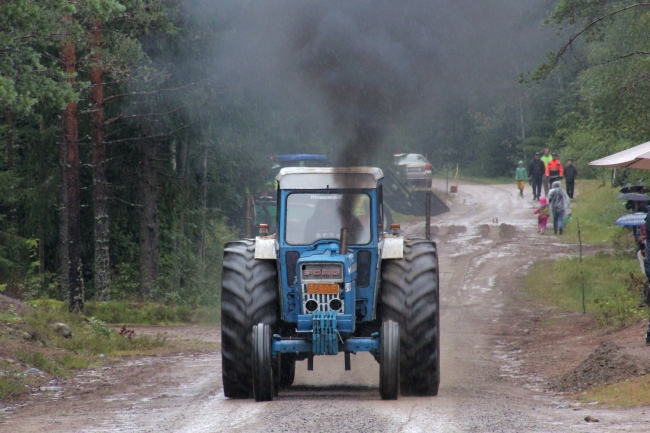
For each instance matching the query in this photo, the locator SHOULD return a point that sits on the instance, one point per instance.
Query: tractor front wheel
(263, 386)
(410, 296)
(389, 361)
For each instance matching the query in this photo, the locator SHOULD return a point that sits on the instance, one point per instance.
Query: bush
(150, 313)
(10, 386)
(624, 306)
(40, 361)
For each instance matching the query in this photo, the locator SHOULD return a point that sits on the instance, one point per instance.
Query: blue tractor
(330, 280)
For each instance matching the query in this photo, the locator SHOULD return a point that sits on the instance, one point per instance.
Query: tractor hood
(328, 253)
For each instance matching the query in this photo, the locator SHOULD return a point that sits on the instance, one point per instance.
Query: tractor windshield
(314, 216)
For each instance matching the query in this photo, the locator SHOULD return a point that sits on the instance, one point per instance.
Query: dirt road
(484, 246)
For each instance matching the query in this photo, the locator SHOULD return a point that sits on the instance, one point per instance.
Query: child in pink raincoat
(542, 213)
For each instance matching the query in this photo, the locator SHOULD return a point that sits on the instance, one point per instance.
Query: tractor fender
(393, 247)
(265, 248)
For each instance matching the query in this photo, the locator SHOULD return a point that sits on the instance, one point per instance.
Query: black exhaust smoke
(369, 59)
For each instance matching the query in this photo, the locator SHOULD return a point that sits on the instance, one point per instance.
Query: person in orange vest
(545, 158)
(554, 169)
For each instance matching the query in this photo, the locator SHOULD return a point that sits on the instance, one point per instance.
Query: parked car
(416, 168)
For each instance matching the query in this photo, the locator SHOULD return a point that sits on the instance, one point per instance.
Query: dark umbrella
(626, 188)
(634, 196)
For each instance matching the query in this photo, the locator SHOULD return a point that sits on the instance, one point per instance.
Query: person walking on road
(554, 170)
(646, 266)
(546, 158)
(542, 213)
(558, 202)
(536, 171)
(570, 174)
(520, 177)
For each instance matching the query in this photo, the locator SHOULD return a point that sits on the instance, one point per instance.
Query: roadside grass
(613, 281)
(29, 340)
(613, 286)
(141, 313)
(629, 393)
(90, 336)
(596, 208)
(612, 278)
(10, 386)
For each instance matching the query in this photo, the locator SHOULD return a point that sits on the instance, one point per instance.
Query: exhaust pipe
(344, 241)
(427, 212)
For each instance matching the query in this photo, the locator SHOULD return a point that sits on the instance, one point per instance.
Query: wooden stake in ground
(454, 188)
(582, 275)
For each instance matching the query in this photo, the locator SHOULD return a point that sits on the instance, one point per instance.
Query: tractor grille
(323, 303)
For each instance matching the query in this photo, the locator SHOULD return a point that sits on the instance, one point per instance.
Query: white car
(417, 169)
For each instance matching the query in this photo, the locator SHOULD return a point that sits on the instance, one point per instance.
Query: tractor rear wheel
(389, 361)
(263, 384)
(249, 295)
(410, 296)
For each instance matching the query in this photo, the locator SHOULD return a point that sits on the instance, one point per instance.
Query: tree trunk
(71, 167)
(204, 200)
(102, 273)
(149, 239)
(180, 167)
(64, 259)
(10, 140)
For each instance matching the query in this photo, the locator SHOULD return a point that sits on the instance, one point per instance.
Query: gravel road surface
(484, 245)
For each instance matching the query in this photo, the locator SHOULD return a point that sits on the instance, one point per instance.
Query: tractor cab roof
(329, 177)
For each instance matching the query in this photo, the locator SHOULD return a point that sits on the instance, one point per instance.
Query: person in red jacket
(554, 169)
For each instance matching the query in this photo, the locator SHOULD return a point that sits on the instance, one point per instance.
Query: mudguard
(393, 247)
(265, 248)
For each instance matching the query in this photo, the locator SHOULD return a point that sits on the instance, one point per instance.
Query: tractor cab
(318, 276)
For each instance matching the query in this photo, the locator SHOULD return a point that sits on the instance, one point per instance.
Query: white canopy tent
(634, 157)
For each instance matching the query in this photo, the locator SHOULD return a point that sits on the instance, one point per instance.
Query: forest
(132, 130)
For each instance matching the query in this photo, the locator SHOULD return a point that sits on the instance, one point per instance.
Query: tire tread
(249, 296)
(410, 296)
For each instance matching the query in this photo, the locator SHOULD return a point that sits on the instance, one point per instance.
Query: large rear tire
(410, 296)
(389, 361)
(263, 383)
(249, 295)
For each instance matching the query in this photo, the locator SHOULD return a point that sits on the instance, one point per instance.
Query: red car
(417, 169)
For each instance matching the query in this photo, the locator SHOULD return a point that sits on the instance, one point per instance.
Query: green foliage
(99, 327)
(10, 386)
(90, 336)
(27, 28)
(606, 48)
(596, 208)
(142, 313)
(624, 306)
(560, 283)
(39, 360)
(612, 281)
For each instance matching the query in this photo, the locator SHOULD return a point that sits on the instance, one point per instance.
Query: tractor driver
(328, 219)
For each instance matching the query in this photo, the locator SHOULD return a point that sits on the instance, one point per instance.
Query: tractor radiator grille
(323, 303)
